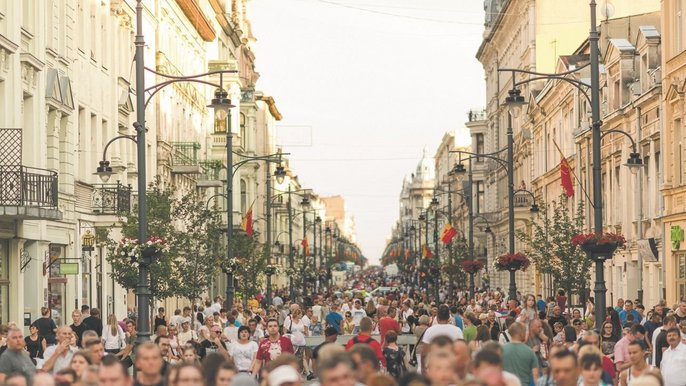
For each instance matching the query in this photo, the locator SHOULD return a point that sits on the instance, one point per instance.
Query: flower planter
(514, 266)
(599, 251)
(151, 253)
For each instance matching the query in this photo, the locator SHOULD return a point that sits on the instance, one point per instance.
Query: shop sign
(69, 268)
(677, 236)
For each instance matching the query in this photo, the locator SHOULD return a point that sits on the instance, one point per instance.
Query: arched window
(244, 196)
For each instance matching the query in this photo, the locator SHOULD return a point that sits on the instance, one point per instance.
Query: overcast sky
(376, 81)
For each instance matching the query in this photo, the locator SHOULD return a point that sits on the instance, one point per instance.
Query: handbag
(413, 352)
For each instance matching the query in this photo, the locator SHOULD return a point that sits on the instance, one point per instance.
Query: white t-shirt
(406, 327)
(297, 332)
(243, 354)
(317, 311)
(358, 314)
(231, 332)
(113, 342)
(452, 332)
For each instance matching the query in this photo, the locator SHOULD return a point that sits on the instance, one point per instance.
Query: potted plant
(472, 266)
(512, 262)
(153, 247)
(270, 270)
(599, 245)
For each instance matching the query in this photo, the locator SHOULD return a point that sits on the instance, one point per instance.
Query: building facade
(67, 90)
(673, 71)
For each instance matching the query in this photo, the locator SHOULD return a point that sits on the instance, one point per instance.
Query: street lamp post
(291, 258)
(143, 287)
(305, 203)
(600, 290)
(436, 259)
(510, 202)
(317, 252)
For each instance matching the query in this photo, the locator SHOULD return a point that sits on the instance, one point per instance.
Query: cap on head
(283, 374)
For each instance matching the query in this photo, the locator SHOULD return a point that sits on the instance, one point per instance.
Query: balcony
(209, 178)
(476, 115)
(28, 193)
(111, 198)
(185, 158)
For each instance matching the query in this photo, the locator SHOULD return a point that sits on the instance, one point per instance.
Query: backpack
(356, 341)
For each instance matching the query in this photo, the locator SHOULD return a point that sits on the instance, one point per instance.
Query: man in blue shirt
(540, 303)
(334, 318)
(456, 315)
(629, 309)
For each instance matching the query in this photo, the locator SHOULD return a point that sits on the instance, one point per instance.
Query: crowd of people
(399, 337)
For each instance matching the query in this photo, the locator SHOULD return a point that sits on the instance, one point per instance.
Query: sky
(364, 86)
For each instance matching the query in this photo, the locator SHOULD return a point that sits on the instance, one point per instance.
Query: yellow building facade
(674, 113)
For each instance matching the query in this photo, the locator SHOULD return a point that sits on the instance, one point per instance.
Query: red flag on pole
(426, 252)
(306, 247)
(566, 177)
(247, 222)
(448, 233)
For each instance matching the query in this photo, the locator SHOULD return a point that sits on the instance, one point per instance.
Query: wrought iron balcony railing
(210, 175)
(185, 158)
(111, 198)
(185, 153)
(28, 187)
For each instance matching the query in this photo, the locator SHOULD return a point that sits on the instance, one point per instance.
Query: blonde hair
(112, 322)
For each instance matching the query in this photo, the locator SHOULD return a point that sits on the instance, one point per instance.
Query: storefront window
(4, 281)
(86, 279)
(56, 285)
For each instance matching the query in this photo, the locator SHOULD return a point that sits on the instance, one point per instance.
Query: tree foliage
(251, 261)
(193, 235)
(549, 245)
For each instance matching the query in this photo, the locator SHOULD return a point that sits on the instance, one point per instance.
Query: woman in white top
(298, 330)
(244, 351)
(113, 336)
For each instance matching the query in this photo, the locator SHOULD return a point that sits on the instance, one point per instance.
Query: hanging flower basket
(231, 266)
(472, 266)
(153, 248)
(270, 270)
(599, 246)
(512, 262)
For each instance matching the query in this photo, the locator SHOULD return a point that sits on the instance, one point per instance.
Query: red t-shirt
(268, 350)
(388, 324)
(366, 339)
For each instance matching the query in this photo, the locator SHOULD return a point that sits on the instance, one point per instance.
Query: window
(244, 196)
(480, 197)
(647, 187)
(480, 146)
(678, 27)
(4, 281)
(615, 95)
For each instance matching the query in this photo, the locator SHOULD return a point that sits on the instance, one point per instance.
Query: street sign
(69, 268)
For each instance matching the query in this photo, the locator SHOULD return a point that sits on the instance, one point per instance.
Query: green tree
(251, 262)
(549, 245)
(192, 233)
(198, 243)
